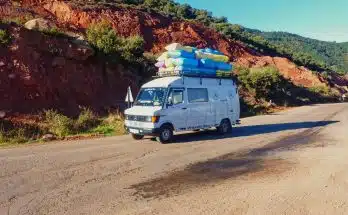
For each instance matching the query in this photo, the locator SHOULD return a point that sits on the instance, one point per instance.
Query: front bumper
(142, 131)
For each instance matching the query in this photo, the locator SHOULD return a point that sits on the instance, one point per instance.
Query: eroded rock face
(46, 72)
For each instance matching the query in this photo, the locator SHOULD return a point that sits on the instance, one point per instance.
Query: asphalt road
(293, 162)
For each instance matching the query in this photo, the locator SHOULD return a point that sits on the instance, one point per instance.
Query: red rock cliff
(41, 72)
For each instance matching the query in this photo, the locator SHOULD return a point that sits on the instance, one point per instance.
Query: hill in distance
(332, 54)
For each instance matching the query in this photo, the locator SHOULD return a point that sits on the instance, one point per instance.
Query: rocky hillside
(42, 71)
(333, 55)
(38, 71)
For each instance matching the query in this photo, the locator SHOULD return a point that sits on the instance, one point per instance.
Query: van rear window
(197, 95)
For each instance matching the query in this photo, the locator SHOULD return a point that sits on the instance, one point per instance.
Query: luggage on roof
(190, 61)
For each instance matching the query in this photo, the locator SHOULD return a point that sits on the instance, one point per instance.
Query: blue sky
(320, 19)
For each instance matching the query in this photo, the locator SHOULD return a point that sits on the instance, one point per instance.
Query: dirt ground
(293, 162)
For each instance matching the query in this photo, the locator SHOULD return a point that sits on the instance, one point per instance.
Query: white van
(173, 104)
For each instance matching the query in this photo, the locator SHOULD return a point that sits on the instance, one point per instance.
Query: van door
(177, 108)
(198, 106)
(219, 105)
(230, 108)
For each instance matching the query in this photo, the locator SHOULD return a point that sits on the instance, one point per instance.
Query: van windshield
(151, 97)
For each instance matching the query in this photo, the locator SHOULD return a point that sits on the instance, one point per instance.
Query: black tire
(137, 136)
(165, 135)
(225, 127)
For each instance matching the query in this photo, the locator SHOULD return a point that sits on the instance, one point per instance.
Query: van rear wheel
(165, 134)
(225, 127)
(137, 136)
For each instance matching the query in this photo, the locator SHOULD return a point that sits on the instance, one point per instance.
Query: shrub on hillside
(104, 38)
(86, 120)
(321, 89)
(58, 124)
(113, 124)
(132, 48)
(5, 38)
(264, 82)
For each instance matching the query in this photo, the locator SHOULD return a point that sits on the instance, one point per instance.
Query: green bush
(102, 36)
(113, 124)
(132, 48)
(5, 38)
(262, 81)
(321, 89)
(15, 136)
(17, 132)
(86, 120)
(18, 20)
(59, 124)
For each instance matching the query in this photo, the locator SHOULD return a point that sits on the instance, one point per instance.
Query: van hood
(143, 111)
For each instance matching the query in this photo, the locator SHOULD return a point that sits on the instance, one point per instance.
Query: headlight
(148, 119)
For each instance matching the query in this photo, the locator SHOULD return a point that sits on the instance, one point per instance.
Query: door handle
(184, 108)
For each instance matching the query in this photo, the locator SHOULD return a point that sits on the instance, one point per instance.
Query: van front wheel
(165, 135)
(225, 127)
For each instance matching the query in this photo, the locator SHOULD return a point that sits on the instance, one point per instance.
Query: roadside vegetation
(104, 39)
(18, 20)
(5, 37)
(52, 125)
(263, 89)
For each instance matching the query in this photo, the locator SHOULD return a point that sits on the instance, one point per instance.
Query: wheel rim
(165, 134)
(225, 127)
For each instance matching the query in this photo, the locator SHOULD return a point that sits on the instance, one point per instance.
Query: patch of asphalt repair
(254, 163)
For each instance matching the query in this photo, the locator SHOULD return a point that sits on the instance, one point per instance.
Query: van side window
(197, 95)
(176, 96)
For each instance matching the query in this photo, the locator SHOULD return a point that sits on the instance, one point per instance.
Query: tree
(221, 19)
(103, 37)
(133, 48)
(185, 11)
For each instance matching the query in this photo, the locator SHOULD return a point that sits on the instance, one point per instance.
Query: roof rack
(194, 75)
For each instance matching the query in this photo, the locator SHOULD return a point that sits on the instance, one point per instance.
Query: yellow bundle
(163, 57)
(169, 62)
(215, 57)
(169, 69)
(177, 46)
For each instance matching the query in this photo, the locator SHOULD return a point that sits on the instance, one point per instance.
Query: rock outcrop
(41, 72)
(39, 24)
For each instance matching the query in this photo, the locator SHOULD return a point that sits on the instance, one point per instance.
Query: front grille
(136, 118)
